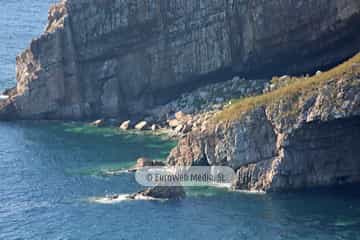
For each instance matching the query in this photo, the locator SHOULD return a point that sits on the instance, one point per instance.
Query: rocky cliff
(305, 132)
(119, 57)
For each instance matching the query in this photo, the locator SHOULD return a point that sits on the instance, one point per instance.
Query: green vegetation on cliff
(293, 87)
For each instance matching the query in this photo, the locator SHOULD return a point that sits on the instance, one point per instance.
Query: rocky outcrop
(161, 192)
(146, 162)
(307, 139)
(115, 58)
(205, 99)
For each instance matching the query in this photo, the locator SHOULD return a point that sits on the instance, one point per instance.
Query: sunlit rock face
(311, 139)
(119, 57)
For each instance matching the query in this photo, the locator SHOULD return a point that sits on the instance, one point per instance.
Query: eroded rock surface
(305, 140)
(146, 162)
(161, 192)
(118, 58)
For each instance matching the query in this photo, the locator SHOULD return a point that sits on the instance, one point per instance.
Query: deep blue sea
(49, 172)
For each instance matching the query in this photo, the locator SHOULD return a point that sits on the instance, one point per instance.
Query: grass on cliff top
(296, 85)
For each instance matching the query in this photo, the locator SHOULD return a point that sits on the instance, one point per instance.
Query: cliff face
(111, 58)
(306, 139)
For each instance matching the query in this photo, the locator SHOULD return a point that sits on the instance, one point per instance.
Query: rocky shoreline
(305, 139)
(302, 140)
(162, 68)
(191, 110)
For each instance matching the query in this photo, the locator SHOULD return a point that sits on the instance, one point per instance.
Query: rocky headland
(121, 58)
(302, 132)
(174, 66)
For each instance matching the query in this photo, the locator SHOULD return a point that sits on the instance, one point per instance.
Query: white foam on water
(221, 185)
(110, 200)
(3, 97)
(344, 223)
(258, 192)
(145, 198)
(114, 172)
(121, 198)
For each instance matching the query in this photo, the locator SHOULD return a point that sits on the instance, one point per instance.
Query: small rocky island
(202, 70)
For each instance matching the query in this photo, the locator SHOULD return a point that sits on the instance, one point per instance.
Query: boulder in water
(125, 125)
(161, 192)
(98, 123)
(141, 125)
(146, 162)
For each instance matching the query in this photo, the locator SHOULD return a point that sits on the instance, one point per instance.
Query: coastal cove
(57, 181)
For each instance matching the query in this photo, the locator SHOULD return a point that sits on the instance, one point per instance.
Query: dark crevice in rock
(322, 154)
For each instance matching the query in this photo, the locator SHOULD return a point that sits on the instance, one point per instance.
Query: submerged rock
(98, 123)
(146, 162)
(140, 163)
(161, 192)
(154, 193)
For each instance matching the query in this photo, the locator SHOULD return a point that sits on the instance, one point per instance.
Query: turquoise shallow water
(49, 171)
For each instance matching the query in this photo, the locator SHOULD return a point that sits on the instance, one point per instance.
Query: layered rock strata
(118, 58)
(307, 139)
